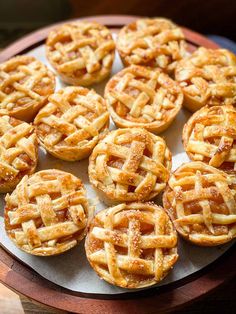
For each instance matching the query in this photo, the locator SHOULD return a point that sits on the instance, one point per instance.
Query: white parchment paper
(71, 270)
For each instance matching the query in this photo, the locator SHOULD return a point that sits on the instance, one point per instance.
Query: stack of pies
(133, 243)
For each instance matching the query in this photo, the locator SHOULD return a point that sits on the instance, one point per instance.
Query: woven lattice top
(47, 213)
(201, 201)
(73, 121)
(132, 245)
(25, 84)
(152, 42)
(210, 134)
(81, 52)
(142, 97)
(130, 164)
(208, 77)
(18, 151)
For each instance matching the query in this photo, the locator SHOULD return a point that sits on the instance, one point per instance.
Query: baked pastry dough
(82, 53)
(129, 165)
(47, 213)
(71, 124)
(201, 201)
(153, 42)
(132, 245)
(142, 97)
(208, 77)
(25, 84)
(210, 136)
(18, 152)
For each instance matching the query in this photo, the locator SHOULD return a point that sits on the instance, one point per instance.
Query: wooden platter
(27, 282)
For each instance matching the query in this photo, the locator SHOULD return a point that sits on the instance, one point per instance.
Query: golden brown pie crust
(47, 213)
(25, 84)
(72, 123)
(143, 97)
(155, 42)
(201, 201)
(132, 245)
(210, 136)
(18, 152)
(129, 165)
(82, 53)
(207, 77)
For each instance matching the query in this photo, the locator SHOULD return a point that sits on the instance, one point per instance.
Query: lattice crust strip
(25, 84)
(47, 213)
(72, 123)
(81, 52)
(132, 245)
(143, 97)
(210, 134)
(201, 201)
(130, 164)
(152, 42)
(208, 77)
(18, 151)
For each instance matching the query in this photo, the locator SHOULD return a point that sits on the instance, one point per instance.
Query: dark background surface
(19, 17)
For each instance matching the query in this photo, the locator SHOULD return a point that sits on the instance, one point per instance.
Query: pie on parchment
(72, 123)
(47, 213)
(129, 165)
(18, 152)
(132, 245)
(207, 77)
(25, 84)
(155, 42)
(210, 136)
(201, 201)
(82, 53)
(143, 97)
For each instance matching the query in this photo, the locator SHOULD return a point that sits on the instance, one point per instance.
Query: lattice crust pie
(152, 42)
(129, 165)
(47, 213)
(18, 152)
(142, 97)
(208, 77)
(82, 53)
(71, 124)
(201, 201)
(132, 245)
(210, 136)
(25, 84)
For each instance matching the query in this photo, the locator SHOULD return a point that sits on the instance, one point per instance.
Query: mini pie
(210, 136)
(153, 42)
(82, 53)
(142, 97)
(129, 165)
(72, 123)
(25, 84)
(201, 201)
(208, 77)
(18, 152)
(47, 213)
(132, 245)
